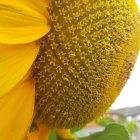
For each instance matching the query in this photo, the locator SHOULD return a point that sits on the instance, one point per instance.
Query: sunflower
(67, 75)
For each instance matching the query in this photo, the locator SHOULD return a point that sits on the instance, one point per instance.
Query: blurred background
(130, 95)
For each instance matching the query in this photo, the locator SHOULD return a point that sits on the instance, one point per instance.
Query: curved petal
(16, 111)
(44, 132)
(33, 135)
(46, 2)
(22, 21)
(15, 61)
(65, 133)
(41, 134)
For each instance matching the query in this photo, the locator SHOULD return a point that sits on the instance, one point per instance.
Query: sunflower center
(81, 60)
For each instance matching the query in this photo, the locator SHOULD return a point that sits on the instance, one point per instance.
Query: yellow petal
(22, 21)
(15, 61)
(46, 2)
(66, 134)
(33, 135)
(16, 111)
(44, 132)
(41, 134)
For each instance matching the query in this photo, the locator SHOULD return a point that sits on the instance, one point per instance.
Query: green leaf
(60, 138)
(117, 130)
(105, 121)
(111, 132)
(131, 126)
(52, 135)
(73, 130)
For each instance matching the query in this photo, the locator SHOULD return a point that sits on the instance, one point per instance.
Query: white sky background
(130, 95)
(138, 1)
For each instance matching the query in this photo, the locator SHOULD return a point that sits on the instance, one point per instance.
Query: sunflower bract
(85, 60)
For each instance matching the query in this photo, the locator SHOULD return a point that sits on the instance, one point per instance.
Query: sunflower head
(85, 60)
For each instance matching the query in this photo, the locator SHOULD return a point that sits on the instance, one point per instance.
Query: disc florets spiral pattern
(85, 59)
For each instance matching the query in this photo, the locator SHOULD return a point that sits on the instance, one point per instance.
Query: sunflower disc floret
(85, 60)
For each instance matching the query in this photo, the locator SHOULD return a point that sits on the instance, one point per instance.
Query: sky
(138, 1)
(130, 95)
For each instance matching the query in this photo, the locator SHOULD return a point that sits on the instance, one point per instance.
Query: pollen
(85, 60)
